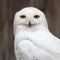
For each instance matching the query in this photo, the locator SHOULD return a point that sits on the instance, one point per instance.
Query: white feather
(35, 42)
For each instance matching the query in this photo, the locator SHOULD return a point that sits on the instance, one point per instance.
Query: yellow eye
(36, 16)
(22, 16)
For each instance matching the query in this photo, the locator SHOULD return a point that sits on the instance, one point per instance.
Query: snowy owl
(33, 40)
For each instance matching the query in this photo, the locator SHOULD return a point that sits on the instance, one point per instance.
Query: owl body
(33, 40)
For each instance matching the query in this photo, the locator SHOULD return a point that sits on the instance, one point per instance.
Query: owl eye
(22, 16)
(36, 16)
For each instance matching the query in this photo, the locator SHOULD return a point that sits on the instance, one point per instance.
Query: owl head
(30, 17)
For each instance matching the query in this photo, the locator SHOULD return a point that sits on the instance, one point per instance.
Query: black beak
(29, 24)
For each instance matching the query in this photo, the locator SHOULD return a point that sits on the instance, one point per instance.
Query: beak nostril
(29, 24)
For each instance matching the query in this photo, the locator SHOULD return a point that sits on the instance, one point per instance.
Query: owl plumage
(33, 40)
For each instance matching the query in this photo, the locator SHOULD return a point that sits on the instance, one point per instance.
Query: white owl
(33, 40)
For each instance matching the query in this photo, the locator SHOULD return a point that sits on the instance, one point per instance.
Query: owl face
(29, 17)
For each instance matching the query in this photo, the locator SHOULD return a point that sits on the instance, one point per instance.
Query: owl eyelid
(36, 16)
(23, 16)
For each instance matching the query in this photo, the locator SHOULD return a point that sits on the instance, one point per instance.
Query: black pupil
(22, 16)
(36, 16)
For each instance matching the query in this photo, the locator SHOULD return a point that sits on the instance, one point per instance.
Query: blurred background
(8, 8)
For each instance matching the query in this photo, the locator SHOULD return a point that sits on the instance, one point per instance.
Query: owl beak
(30, 24)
